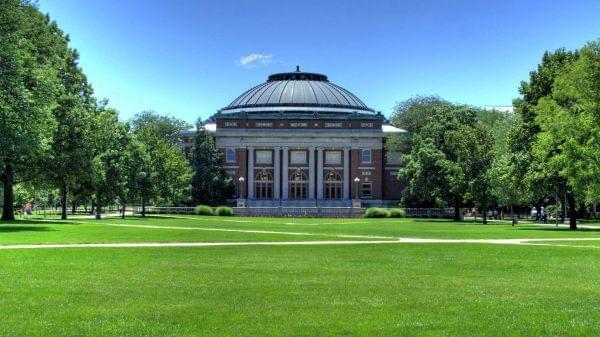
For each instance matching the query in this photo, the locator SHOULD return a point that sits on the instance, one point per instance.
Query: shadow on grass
(131, 218)
(12, 229)
(557, 229)
(35, 222)
(159, 216)
(458, 223)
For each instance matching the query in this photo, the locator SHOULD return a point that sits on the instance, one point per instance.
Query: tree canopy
(210, 184)
(33, 54)
(567, 145)
(449, 159)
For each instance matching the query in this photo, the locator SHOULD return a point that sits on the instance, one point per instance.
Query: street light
(356, 180)
(241, 180)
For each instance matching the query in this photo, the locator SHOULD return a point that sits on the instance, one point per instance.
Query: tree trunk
(98, 212)
(8, 211)
(63, 202)
(484, 215)
(456, 210)
(74, 206)
(143, 208)
(572, 211)
(93, 208)
(512, 216)
(122, 209)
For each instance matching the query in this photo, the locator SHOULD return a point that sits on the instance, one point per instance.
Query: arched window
(298, 186)
(333, 186)
(263, 185)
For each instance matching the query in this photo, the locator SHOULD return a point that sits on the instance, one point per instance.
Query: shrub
(375, 212)
(203, 210)
(224, 211)
(396, 213)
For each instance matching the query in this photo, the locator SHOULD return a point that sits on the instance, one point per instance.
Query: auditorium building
(298, 140)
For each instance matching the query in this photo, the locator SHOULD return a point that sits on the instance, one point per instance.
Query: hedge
(224, 211)
(396, 213)
(376, 212)
(203, 210)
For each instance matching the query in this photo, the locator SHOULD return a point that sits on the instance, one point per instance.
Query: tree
(31, 53)
(174, 173)
(498, 123)
(108, 174)
(149, 126)
(412, 115)
(533, 186)
(210, 185)
(166, 172)
(141, 182)
(506, 182)
(69, 163)
(568, 144)
(472, 148)
(449, 159)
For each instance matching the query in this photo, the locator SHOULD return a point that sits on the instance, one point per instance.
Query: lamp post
(241, 180)
(356, 180)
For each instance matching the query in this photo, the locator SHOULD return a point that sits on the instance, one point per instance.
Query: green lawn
(238, 229)
(327, 290)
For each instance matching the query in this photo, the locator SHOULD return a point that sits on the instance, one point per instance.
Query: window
(366, 156)
(366, 190)
(298, 157)
(333, 157)
(333, 186)
(263, 186)
(298, 186)
(230, 155)
(264, 157)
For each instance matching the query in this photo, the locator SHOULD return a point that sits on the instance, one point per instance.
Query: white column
(346, 173)
(250, 192)
(311, 173)
(319, 173)
(284, 176)
(277, 172)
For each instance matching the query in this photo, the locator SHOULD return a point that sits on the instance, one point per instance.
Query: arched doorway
(298, 186)
(263, 185)
(333, 186)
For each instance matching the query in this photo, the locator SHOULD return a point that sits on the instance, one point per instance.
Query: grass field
(534, 288)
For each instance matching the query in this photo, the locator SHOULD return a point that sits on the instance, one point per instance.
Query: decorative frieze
(263, 124)
(298, 124)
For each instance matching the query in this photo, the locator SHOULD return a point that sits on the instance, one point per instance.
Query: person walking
(27, 210)
(534, 213)
(543, 216)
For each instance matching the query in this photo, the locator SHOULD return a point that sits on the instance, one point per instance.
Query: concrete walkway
(536, 241)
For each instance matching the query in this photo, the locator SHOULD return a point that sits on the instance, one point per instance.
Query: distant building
(298, 140)
(501, 108)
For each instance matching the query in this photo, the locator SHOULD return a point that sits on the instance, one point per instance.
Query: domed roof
(300, 91)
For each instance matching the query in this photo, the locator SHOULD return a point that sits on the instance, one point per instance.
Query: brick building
(299, 140)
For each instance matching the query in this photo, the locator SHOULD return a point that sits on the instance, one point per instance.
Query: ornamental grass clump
(203, 210)
(224, 211)
(396, 212)
(376, 212)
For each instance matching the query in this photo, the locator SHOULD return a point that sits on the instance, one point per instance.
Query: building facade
(300, 140)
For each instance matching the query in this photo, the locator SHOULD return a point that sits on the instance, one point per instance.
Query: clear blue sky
(184, 58)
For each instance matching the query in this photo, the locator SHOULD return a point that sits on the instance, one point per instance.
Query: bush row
(376, 212)
(207, 210)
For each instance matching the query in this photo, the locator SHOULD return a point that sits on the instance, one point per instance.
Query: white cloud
(254, 59)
